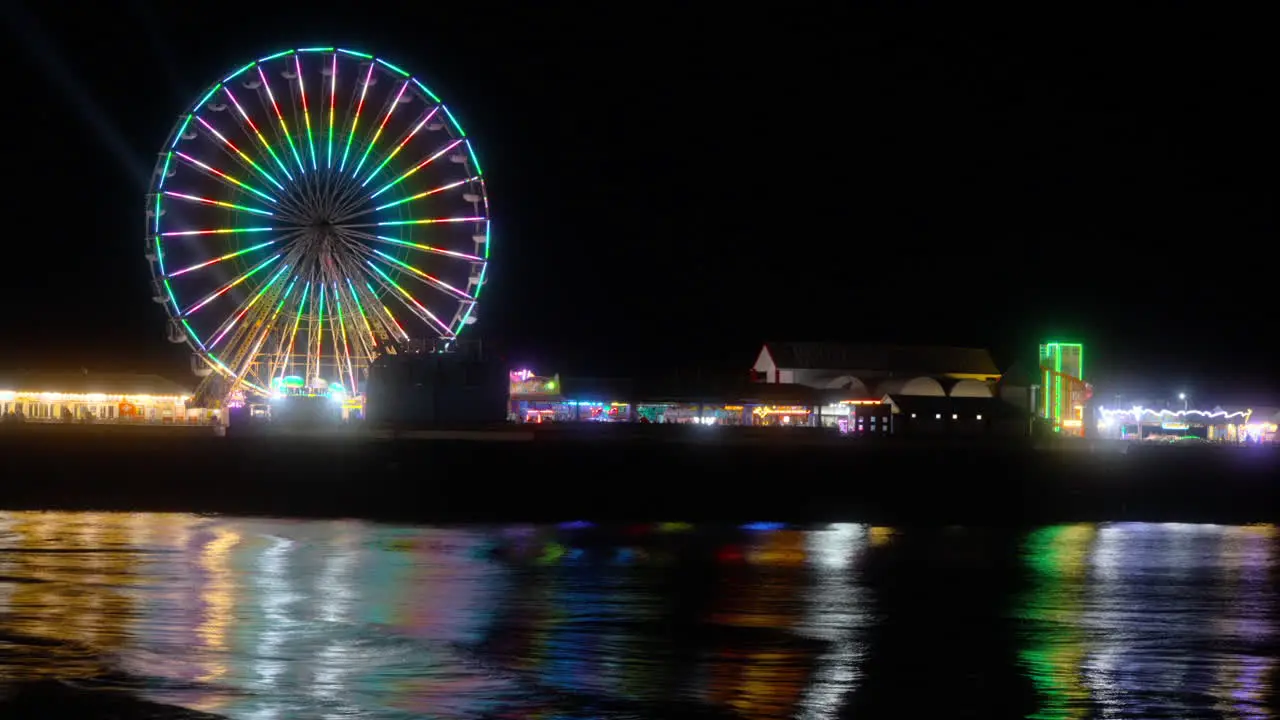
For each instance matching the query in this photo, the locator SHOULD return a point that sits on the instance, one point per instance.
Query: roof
(924, 360)
(91, 382)
(994, 407)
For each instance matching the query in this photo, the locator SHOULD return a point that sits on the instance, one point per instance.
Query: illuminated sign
(525, 383)
(1072, 423)
(1174, 426)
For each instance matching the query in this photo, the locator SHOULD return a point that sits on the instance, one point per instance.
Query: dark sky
(673, 187)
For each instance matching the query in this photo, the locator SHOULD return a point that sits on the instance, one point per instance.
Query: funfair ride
(314, 209)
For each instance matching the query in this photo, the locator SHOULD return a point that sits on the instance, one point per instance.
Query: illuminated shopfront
(117, 399)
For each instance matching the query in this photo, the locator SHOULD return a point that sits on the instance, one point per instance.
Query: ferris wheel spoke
(419, 196)
(370, 338)
(217, 203)
(239, 155)
(224, 177)
(258, 334)
(400, 146)
(409, 301)
(414, 246)
(306, 111)
(420, 275)
(346, 344)
(378, 133)
(386, 319)
(423, 221)
(284, 127)
(333, 95)
(355, 119)
(233, 283)
(430, 159)
(221, 258)
(269, 326)
(284, 360)
(238, 314)
(248, 122)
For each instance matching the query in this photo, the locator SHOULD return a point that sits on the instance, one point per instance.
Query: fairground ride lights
(1138, 412)
(90, 397)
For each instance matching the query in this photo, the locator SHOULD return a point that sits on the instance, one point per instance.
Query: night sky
(672, 187)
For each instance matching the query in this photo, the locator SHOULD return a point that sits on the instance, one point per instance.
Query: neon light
(239, 152)
(315, 49)
(354, 53)
(258, 133)
(425, 276)
(219, 231)
(208, 95)
(177, 137)
(392, 67)
(164, 174)
(428, 193)
(218, 203)
(228, 256)
(287, 136)
(1138, 412)
(409, 296)
(333, 94)
(280, 54)
(356, 120)
(428, 221)
(454, 120)
(359, 307)
(429, 249)
(400, 147)
(218, 293)
(306, 113)
(226, 177)
(293, 336)
(378, 133)
(416, 168)
(213, 343)
(239, 72)
(474, 160)
(426, 90)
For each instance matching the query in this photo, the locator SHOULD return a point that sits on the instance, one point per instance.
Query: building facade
(875, 371)
(98, 398)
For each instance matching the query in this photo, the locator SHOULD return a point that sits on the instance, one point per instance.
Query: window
(913, 414)
(955, 416)
(979, 417)
(938, 416)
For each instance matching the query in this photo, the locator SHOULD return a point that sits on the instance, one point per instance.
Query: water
(273, 619)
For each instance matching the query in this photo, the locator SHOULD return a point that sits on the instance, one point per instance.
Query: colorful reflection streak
(1151, 620)
(1055, 644)
(1185, 620)
(249, 618)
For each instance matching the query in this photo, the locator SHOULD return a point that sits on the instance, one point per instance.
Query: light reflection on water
(1151, 620)
(276, 619)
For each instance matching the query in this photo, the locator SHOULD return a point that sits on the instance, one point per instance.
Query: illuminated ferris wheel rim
(321, 208)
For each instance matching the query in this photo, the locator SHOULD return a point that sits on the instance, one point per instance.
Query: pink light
(521, 375)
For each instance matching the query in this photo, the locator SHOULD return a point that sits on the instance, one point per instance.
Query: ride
(313, 210)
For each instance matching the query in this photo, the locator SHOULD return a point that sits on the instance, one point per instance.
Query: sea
(189, 616)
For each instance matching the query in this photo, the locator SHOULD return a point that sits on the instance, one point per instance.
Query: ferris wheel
(314, 209)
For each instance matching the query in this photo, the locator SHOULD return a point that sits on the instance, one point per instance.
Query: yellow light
(1072, 423)
(89, 397)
